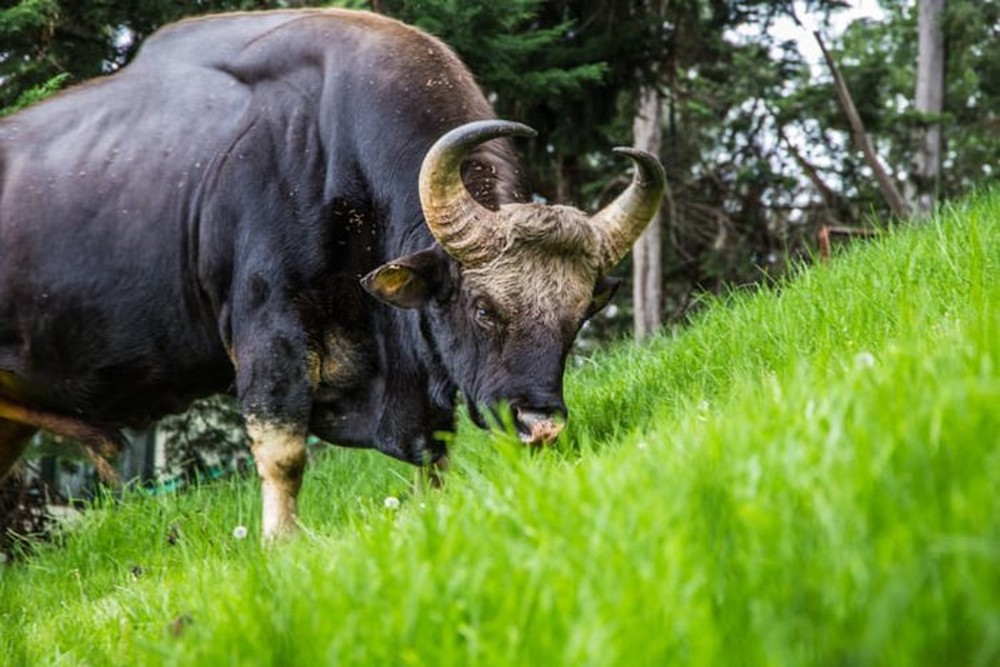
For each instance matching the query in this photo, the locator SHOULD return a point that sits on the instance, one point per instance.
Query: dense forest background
(763, 163)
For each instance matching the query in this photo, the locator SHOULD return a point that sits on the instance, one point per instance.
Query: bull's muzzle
(537, 428)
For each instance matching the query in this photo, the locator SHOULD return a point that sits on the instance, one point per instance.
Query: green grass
(804, 476)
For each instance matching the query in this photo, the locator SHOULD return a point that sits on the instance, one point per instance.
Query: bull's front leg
(279, 451)
(275, 396)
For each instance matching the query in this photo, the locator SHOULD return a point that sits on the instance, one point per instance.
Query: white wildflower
(240, 532)
(391, 503)
(864, 360)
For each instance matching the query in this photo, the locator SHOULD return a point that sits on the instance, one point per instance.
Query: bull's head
(505, 292)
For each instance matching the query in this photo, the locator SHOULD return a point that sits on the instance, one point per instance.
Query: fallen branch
(826, 231)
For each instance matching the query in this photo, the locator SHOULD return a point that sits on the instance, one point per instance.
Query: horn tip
(634, 153)
(478, 131)
(528, 130)
(515, 129)
(646, 161)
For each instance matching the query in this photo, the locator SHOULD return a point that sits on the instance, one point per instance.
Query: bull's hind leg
(98, 442)
(13, 441)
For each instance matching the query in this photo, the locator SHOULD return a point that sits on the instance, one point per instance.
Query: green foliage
(505, 46)
(37, 94)
(879, 61)
(805, 476)
(28, 16)
(45, 39)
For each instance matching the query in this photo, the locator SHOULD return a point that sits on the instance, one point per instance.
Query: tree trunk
(929, 99)
(647, 284)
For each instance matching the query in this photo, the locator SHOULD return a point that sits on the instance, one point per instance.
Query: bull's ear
(604, 291)
(410, 281)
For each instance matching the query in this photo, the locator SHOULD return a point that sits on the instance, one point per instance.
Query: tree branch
(812, 173)
(886, 186)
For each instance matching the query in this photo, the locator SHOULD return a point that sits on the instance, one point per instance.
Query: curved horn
(460, 224)
(621, 222)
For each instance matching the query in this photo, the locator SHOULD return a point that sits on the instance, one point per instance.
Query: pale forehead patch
(548, 267)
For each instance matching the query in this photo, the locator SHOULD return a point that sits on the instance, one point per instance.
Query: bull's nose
(538, 427)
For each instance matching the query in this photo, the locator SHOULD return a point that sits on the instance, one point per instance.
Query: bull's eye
(486, 316)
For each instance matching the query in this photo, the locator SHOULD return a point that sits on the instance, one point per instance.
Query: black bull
(218, 215)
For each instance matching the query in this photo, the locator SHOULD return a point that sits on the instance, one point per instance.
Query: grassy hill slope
(804, 476)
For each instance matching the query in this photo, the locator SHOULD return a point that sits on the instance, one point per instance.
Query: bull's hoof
(434, 473)
(272, 535)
